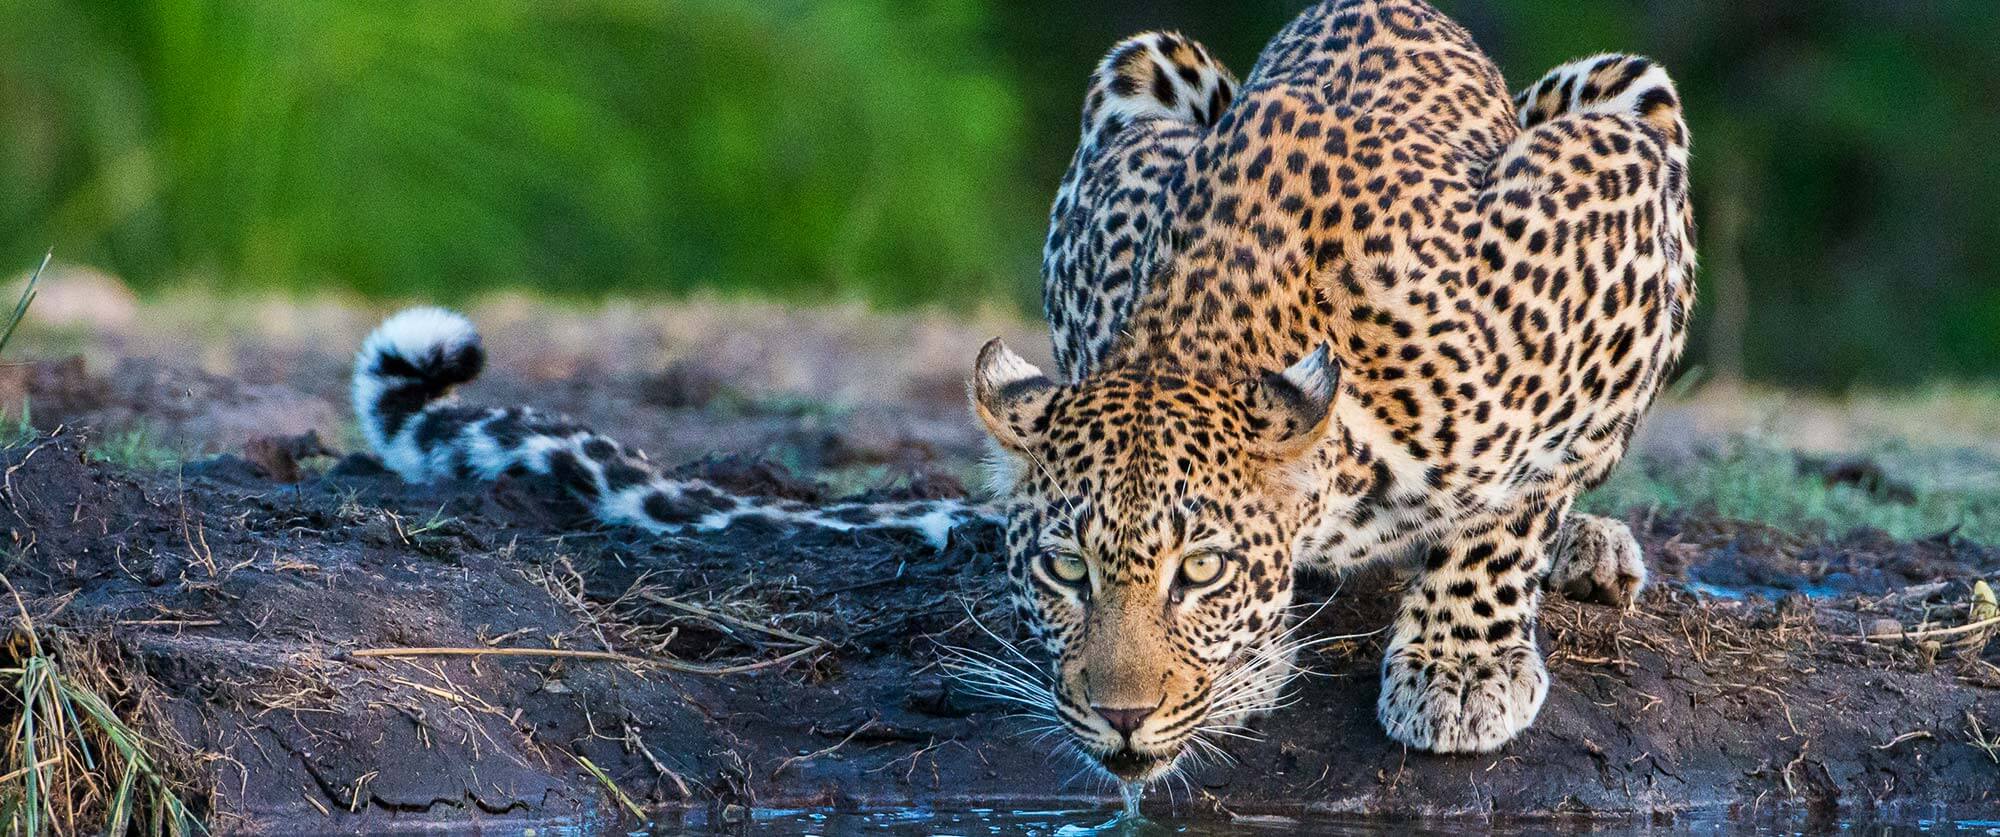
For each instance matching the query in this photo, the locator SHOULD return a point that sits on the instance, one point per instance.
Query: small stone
(162, 569)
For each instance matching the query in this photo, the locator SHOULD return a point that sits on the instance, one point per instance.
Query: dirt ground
(745, 669)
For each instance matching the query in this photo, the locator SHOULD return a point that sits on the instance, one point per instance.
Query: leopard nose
(1125, 721)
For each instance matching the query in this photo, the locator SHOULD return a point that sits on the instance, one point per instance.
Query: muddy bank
(249, 608)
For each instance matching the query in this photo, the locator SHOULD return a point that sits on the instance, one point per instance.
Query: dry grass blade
(618, 793)
(1976, 734)
(557, 653)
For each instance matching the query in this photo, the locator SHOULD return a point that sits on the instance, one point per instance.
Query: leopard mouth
(1130, 765)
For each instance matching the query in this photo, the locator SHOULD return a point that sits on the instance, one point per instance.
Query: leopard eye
(1068, 566)
(1201, 568)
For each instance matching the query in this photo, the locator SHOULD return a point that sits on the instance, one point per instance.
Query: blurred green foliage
(442, 147)
(903, 151)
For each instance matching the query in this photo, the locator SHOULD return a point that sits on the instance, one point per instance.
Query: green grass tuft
(1757, 482)
(27, 298)
(137, 449)
(18, 429)
(69, 763)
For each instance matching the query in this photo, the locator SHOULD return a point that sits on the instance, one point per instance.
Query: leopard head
(1150, 517)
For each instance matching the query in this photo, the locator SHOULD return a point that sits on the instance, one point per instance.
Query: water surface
(1107, 822)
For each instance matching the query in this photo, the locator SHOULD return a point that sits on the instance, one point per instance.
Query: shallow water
(1117, 823)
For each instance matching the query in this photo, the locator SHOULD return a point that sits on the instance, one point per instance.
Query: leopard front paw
(1597, 559)
(1460, 702)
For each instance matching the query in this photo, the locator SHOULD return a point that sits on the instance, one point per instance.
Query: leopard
(1362, 307)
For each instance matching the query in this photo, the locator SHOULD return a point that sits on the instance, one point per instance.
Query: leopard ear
(1010, 395)
(1293, 408)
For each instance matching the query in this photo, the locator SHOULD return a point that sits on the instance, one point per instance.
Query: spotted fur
(1372, 308)
(1147, 102)
(403, 377)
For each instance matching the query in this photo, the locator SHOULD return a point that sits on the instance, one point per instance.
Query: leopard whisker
(1192, 756)
(977, 684)
(1248, 708)
(981, 669)
(1232, 731)
(1013, 649)
(1081, 771)
(990, 681)
(971, 662)
(1177, 772)
(1208, 748)
(1257, 684)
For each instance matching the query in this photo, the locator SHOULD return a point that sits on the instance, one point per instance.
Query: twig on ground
(824, 752)
(1908, 736)
(560, 653)
(1801, 757)
(725, 618)
(633, 741)
(1926, 633)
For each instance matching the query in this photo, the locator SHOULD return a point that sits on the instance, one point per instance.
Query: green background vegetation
(903, 151)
